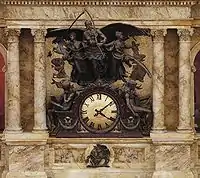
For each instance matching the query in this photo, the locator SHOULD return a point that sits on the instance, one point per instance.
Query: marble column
(39, 81)
(158, 80)
(13, 82)
(185, 116)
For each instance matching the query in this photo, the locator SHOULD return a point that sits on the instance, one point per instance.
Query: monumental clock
(92, 104)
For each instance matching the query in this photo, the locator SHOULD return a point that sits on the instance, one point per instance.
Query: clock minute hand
(105, 107)
(109, 118)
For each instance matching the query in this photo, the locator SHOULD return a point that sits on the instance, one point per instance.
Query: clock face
(99, 112)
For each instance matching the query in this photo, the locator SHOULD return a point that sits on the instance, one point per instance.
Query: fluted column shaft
(39, 80)
(184, 80)
(13, 82)
(158, 80)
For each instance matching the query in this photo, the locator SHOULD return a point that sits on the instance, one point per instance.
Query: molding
(101, 3)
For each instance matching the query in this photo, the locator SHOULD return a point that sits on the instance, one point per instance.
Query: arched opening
(2, 93)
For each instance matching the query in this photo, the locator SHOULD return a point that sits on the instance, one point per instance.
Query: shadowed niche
(2, 93)
(197, 90)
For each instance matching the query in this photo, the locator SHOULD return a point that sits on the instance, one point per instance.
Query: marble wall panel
(26, 158)
(171, 79)
(126, 157)
(69, 155)
(97, 12)
(133, 156)
(26, 79)
(129, 156)
(173, 157)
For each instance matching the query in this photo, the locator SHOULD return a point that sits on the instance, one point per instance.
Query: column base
(10, 131)
(159, 130)
(39, 130)
(26, 174)
(173, 174)
(184, 130)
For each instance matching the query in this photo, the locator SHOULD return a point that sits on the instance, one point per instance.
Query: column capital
(158, 34)
(185, 34)
(13, 34)
(39, 35)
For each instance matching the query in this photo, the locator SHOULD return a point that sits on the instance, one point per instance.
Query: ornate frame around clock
(107, 90)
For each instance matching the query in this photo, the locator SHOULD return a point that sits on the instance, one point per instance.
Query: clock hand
(97, 112)
(109, 118)
(105, 106)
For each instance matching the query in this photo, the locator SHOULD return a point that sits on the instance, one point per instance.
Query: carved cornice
(101, 3)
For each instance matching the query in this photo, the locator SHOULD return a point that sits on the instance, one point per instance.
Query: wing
(138, 73)
(64, 33)
(126, 29)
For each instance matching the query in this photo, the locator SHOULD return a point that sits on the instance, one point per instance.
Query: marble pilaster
(39, 80)
(13, 82)
(185, 116)
(158, 80)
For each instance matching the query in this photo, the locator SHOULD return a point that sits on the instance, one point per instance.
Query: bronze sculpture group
(99, 57)
(93, 58)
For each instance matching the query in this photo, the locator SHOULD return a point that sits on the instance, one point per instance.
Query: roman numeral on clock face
(111, 103)
(111, 119)
(98, 96)
(91, 98)
(114, 111)
(91, 124)
(84, 111)
(107, 125)
(86, 104)
(99, 127)
(86, 119)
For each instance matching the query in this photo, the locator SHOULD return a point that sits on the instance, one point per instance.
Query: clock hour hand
(97, 112)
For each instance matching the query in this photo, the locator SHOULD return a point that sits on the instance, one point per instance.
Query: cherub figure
(60, 48)
(66, 99)
(58, 65)
(132, 98)
(135, 50)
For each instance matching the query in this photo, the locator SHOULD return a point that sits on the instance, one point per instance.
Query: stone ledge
(173, 174)
(145, 140)
(26, 174)
(102, 173)
(25, 138)
(172, 138)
